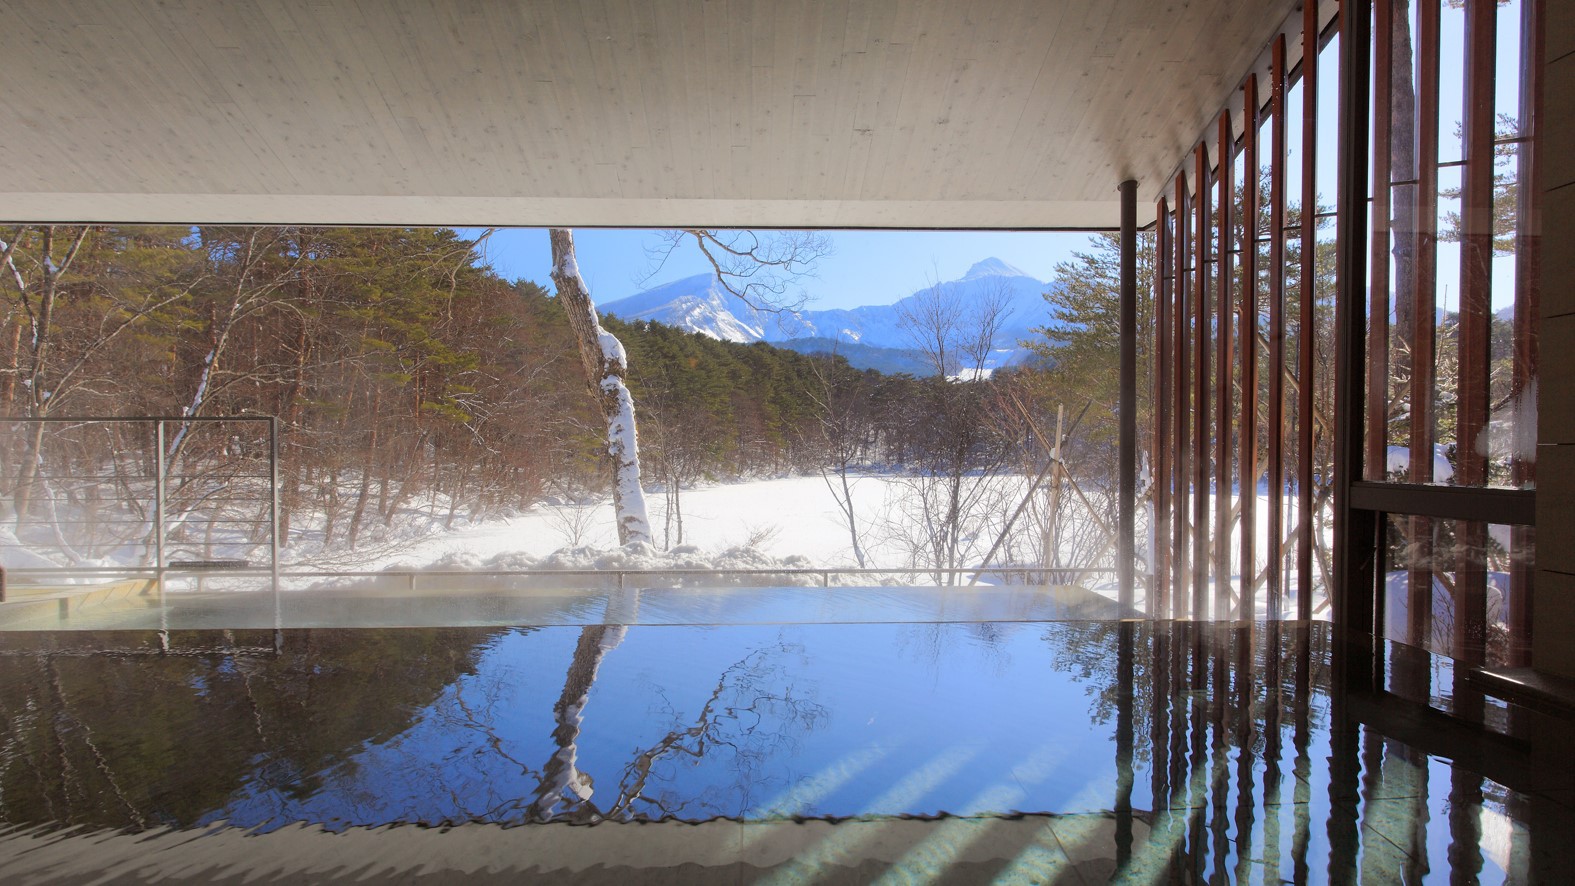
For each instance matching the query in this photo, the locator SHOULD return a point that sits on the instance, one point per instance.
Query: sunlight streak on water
(805, 793)
(843, 847)
(928, 862)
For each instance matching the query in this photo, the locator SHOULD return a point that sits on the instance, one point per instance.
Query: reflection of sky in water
(819, 720)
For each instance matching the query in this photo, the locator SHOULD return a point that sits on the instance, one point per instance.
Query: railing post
(158, 531)
(158, 501)
(273, 515)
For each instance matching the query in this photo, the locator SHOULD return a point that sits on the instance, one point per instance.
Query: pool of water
(990, 750)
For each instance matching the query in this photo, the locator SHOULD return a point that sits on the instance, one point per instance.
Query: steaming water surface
(1208, 756)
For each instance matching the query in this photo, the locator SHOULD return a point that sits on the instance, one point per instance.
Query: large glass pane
(1451, 79)
(1455, 587)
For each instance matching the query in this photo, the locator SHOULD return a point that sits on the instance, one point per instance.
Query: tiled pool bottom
(939, 752)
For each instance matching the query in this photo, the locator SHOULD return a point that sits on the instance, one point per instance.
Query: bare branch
(761, 271)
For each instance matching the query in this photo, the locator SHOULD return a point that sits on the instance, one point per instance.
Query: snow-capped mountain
(700, 304)
(696, 304)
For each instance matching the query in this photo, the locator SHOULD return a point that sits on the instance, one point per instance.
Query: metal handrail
(623, 576)
(374, 573)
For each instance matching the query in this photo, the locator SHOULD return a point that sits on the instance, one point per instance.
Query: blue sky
(868, 267)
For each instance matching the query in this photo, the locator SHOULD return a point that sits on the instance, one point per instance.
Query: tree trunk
(8, 392)
(359, 514)
(330, 508)
(1048, 558)
(605, 363)
(290, 411)
(564, 789)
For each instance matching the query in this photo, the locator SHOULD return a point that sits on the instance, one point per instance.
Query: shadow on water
(1147, 752)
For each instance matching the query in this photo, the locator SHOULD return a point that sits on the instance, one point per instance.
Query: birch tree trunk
(564, 789)
(605, 363)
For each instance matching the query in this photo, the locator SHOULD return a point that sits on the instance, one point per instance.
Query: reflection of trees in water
(132, 738)
(102, 734)
(935, 645)
(752, 715)
(1175, 666)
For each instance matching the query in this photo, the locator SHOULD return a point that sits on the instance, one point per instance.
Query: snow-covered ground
(787, 522)
(781, 518)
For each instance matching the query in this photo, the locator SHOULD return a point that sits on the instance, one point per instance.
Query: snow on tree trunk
(605, 363)
(564, 788)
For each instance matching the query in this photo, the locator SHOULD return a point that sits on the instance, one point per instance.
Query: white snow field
(789, 522)
(781, 518)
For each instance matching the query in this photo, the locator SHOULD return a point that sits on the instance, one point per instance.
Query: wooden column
(1419, 604)
(1308, 295)
(1355, 531)
(1248, 462)
(1183, 389)
(1276, 431)
(1164, 291)
(1126, 503)
(1224, 382)
(1200, 370)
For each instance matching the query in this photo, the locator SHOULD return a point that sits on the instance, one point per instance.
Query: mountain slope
(694, 304)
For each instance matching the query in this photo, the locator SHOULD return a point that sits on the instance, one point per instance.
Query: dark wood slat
(1200, 387)
(1248, 461)
(1276, 445)
(1126, 480)
(1164, 290)
(1355, 578)
(1306, 384)
(1420, 581)
(1224, 383)
(1510, 507)
(1182, 374)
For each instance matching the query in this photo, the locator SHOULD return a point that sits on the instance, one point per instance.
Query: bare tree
(761, 270)
(846, 429)
(40, 284)
(259, 275)
(954, 335)
(957, 489)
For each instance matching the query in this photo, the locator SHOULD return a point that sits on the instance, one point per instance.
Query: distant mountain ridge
(866, 335)
(890, 361)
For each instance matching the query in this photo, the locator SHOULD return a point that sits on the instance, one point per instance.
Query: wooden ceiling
(760, 113)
